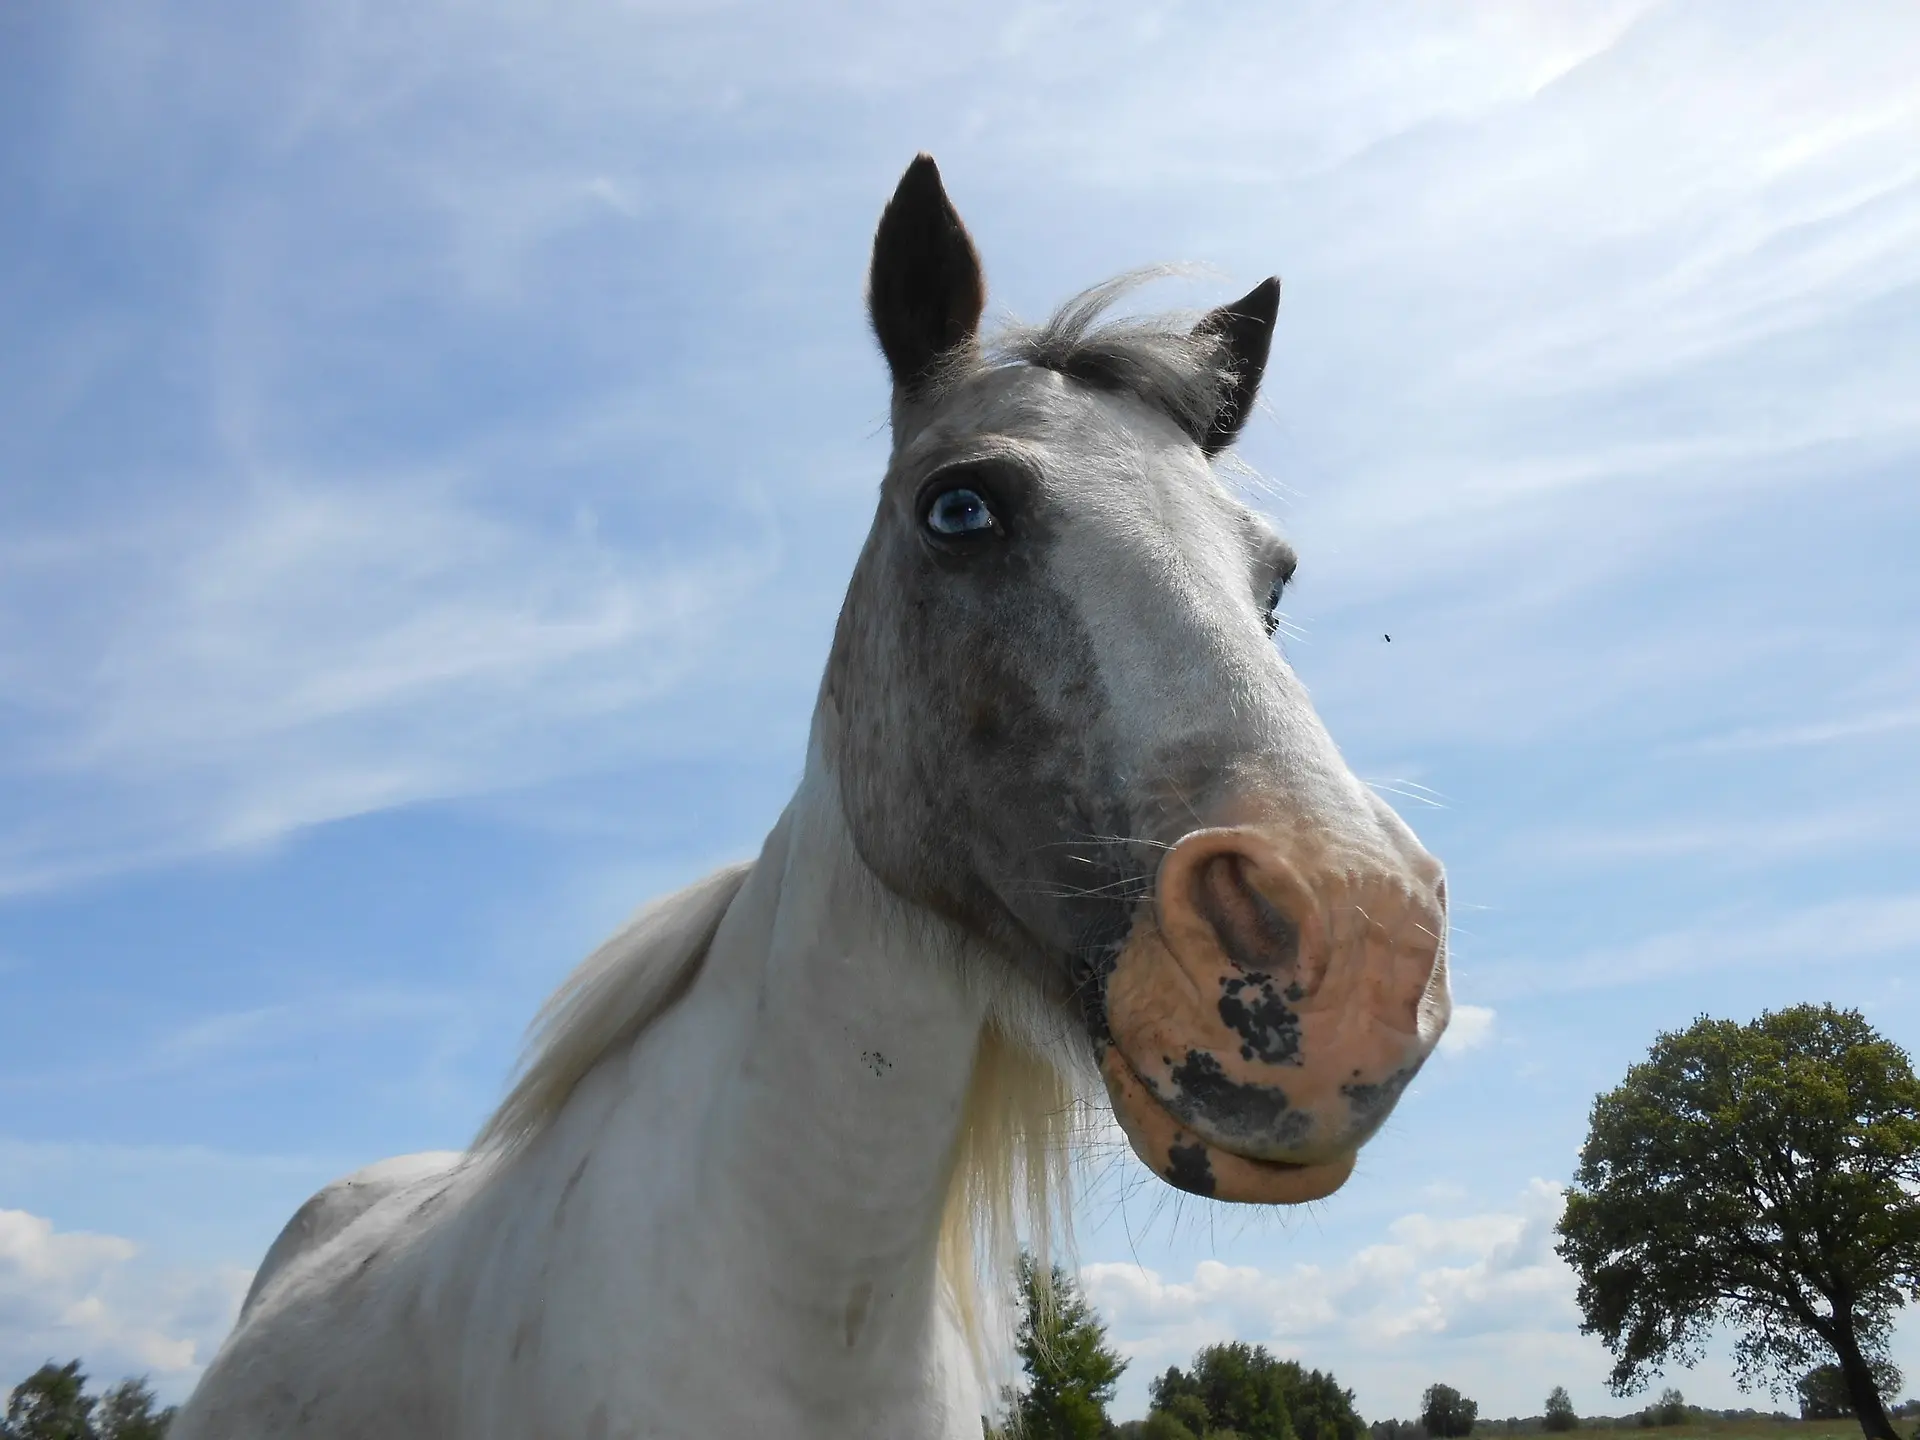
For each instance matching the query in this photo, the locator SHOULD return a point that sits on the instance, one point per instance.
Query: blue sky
(434, 440)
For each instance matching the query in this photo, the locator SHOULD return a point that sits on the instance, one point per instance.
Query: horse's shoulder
(339, 1204)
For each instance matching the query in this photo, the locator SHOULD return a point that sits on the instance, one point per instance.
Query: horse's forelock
(1168, 361)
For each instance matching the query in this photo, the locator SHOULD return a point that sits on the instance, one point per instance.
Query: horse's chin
(1192, 1163)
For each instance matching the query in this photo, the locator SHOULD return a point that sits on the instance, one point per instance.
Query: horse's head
(1063, 724)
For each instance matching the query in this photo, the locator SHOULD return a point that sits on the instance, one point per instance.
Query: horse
(1066, 811)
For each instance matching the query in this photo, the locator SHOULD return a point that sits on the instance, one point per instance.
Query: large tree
(1766, 1175)
(1071, 1370)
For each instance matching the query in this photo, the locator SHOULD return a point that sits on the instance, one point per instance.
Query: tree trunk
(1861, 1390)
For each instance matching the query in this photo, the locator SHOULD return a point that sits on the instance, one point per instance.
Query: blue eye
(959, 512)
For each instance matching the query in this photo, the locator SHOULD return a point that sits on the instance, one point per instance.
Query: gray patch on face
(1206, 1098)
(1253, 1009)
(972, 760)
(1189, 1168)
(1370, 1103)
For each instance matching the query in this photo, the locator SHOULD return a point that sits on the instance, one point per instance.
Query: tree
(1184, 1421)
(1560, 1413)
(1823, 1394)
(1242, 1392)
(1321, 1409)
(1823, 1390)
(1071, 1371)
(1766, 1175)
(126, 1413)
(1447, 1413)
(51, 1404)
(1671, 1410)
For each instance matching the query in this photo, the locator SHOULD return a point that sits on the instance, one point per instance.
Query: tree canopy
(53, 1404)
(1071, 1371)
(1560, 1414)
(1670, 1409)
(1446, 1413)
(1240, 1390)
(1766, 1175)
(1823, 1390)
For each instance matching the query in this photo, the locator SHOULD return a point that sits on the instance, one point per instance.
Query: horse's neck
(757, 1187)
(836, 1114)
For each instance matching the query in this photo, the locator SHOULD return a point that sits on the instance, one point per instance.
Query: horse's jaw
(1197, 1165)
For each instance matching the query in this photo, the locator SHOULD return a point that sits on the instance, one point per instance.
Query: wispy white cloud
(1744, 841)
(228, 1037)
(318, 651)
(1825, 934)
(1874, 725)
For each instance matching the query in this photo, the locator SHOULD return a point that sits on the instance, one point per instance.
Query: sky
(434, 440)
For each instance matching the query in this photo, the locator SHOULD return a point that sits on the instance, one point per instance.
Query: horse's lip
(1195, 1163)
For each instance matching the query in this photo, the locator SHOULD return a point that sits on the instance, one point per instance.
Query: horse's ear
(925, 291)
(1246, 326)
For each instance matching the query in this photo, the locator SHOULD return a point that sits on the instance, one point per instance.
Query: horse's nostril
(1253, 932)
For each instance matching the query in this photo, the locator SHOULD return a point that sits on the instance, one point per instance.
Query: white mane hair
(1010, 1179)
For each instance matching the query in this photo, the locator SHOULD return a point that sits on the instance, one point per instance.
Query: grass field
(1755, 1427)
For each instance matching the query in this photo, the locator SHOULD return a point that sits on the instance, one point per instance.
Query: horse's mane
(1009, 1181)
(614, 994)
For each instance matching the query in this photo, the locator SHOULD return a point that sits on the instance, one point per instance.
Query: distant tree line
(53, 1404)
(1823, 1396)
(1237, 1391)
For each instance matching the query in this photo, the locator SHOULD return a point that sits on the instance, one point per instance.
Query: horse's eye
(959, 512)
(1271, 619)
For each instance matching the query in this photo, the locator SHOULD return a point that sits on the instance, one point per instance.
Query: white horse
(1065, 808)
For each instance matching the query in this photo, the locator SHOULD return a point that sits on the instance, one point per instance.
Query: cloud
(1470, 1028)
(320, 650)
(1723, 841)
(1834, 931)
(68, 1294)
(1465, 1296)
(1871, 726)
(441, 301)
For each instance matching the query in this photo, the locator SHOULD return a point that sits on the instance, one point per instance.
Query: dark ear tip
(1246, 327)
(1261, 302)
(921, 174)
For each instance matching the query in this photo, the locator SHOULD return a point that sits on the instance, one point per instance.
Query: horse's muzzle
(1268, 1010)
